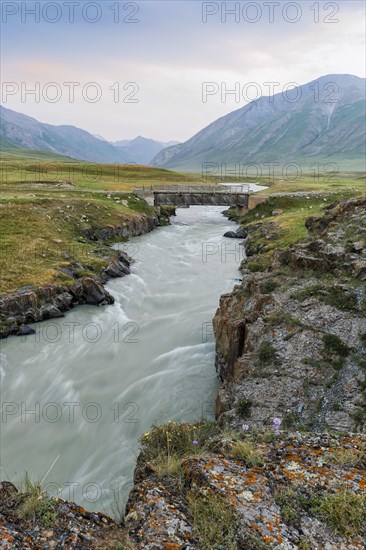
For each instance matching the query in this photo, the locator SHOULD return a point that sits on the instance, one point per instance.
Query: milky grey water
(98, 378)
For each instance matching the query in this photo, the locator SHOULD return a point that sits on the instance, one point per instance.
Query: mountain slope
(326, 121)
(18, 130)
(142, 150)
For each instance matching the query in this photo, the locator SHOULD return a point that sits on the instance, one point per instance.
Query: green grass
(343, 511)
(363, 339)
(288, 227)
(39, 235)
(21, 169)
(348, 180)
(43, 200)
(35, 505)
(337, 296)
(214, 521)
(246, 451)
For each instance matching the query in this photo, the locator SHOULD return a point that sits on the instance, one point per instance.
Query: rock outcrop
(291, 339)
(226, 490)
(52, 524)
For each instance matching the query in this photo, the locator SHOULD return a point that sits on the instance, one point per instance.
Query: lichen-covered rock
(275, 505)
(55, 524)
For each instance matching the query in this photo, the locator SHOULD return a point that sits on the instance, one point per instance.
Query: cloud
(169, 54)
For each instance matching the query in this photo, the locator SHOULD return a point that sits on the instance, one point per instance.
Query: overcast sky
(149, 59)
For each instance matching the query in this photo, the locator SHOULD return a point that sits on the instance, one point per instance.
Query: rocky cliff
(291, 339)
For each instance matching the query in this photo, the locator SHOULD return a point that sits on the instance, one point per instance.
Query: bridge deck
(210, 189)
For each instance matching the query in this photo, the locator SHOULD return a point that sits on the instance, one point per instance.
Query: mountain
(327, 122)
(21, 131)
(142, 150)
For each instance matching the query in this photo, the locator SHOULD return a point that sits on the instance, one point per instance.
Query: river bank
(82, 259)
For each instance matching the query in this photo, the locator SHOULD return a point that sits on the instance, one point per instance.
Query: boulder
(63, 301)
(241, 233)
(125, 258)
(117, 269)
(90, 291)
(49, 311)
(358, 247)
(360, 270)
(25, 330)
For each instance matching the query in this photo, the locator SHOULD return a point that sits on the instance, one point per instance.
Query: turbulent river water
(85, 387)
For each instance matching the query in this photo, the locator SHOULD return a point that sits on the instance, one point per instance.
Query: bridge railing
(212, 189)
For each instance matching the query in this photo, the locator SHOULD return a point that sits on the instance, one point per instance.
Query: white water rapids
(86, 386)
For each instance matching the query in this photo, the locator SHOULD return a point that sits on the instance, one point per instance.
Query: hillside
(21, 131)
(326, 123)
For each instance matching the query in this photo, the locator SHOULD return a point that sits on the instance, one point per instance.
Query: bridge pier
(241, 210)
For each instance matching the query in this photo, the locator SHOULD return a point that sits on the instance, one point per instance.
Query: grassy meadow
(46, 201)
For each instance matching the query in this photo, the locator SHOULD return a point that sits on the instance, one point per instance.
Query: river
(85, 387)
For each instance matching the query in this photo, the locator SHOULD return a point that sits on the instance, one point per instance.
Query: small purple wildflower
(276, 425)
(245, 427)
(195, 442)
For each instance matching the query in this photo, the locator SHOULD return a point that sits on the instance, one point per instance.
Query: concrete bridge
(179, 195)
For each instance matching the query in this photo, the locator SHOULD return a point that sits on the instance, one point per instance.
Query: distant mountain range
(323, 120)
(141, 149)
(24, 132)
(326, 121)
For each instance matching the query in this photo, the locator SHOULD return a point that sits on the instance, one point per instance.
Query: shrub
(334, 345)
(266, 353)
(268, 286)
(244, 407)
(178, 439)
(363, 339)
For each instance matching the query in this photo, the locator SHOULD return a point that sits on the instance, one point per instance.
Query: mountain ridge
(327, 121)
(21, 131)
